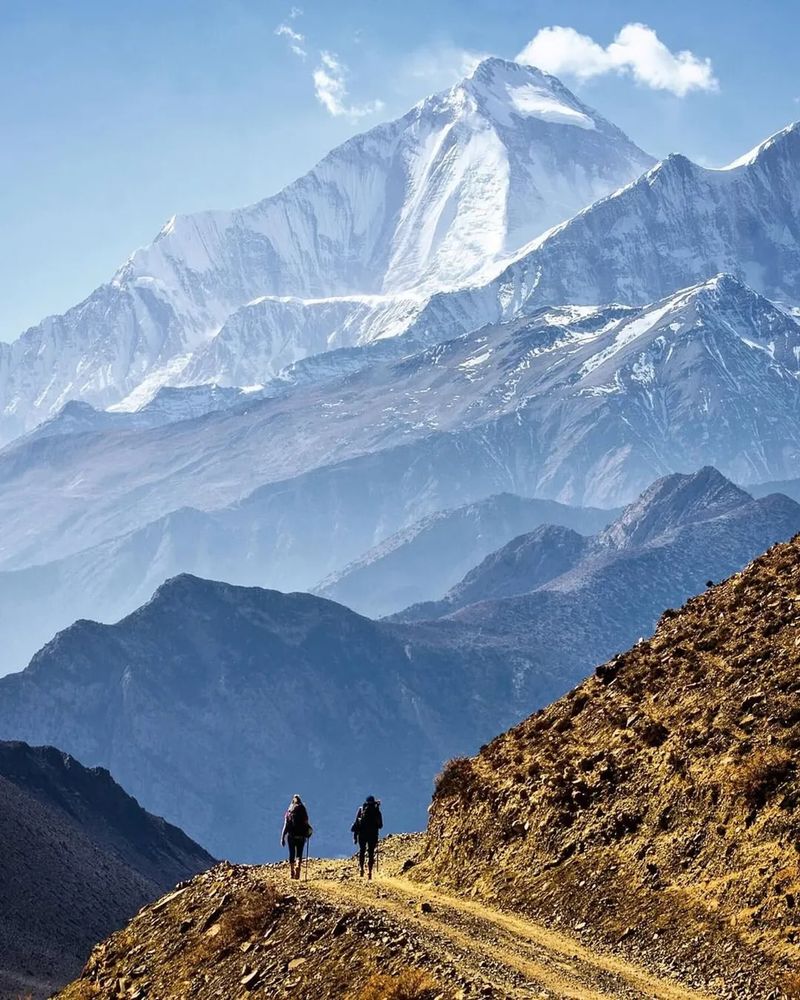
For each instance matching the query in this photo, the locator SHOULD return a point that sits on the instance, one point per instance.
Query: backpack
(297, 824)
(370, 819)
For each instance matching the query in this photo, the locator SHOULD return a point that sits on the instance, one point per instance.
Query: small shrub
(761, 774)
(409, 985)
(250, 916)
(457, 777)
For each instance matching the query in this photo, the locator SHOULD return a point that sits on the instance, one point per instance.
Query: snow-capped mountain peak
(501, 89)
(778, 141)
(438, 199)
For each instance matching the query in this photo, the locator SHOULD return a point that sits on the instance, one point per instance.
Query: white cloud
(637, 50)
(295, 39)
(331, 89)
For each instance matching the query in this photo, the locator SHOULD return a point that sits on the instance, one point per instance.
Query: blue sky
(115, 116)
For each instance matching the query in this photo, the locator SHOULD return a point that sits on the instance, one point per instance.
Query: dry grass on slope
(234, 932)
(656, 808)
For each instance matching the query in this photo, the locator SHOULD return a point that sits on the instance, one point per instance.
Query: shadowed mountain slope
(78, 857)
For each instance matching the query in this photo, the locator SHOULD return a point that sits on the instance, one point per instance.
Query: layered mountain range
(423, 561)
(572, 403)
(440, 312)
(239, 545)
(78, 857)
(232, 676)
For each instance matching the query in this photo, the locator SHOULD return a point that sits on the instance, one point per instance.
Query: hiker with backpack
(296, 831)
(366, 830)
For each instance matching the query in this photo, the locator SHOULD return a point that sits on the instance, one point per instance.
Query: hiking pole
(308, 844)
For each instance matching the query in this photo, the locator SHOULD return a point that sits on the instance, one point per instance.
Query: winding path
(518, 957)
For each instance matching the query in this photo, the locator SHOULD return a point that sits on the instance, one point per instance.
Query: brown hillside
(655, 808)
(240, 932)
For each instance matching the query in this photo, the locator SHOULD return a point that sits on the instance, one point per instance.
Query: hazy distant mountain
(679, 527)
(426, 559)
(78, 857)
(791, 487)
(232, 677)
(523, 564)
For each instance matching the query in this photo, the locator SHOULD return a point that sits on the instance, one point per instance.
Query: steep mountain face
(648, 558)
(677, 225)
(654, 808)
(234, 676)
(433, 200)
(423, 561)
(78, 857)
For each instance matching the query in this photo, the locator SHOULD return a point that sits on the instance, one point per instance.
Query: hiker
(296, 830)
(366, 830)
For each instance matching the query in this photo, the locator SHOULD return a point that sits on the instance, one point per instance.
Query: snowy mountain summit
(438, 199)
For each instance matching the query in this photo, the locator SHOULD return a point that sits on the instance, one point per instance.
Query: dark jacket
(369, 821)
(295, 823)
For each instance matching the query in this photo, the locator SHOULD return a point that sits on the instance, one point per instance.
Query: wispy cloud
(330, 86)
(637, 50)
(330, 76)
(296, 39)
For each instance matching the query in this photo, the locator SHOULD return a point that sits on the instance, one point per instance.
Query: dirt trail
(520, 958)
